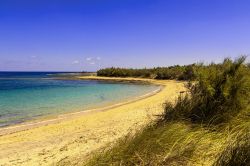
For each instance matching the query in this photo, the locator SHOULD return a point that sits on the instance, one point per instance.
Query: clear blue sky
(74, 35)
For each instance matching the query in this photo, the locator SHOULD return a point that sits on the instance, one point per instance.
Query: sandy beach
(72, 138)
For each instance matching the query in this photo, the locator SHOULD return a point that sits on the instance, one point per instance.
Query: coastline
(76, 135)
(46, 120)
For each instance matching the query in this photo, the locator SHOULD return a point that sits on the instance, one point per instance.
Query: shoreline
(46, 120)
(73, 140)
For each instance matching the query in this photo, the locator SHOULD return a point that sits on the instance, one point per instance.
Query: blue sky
(75, 35)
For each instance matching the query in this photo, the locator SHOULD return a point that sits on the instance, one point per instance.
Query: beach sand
(72, 138)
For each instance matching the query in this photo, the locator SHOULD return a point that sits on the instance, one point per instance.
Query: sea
(26, 96)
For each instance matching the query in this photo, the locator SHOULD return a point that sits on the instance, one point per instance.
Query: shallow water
(26, 96)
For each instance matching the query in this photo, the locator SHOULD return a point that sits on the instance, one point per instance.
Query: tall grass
(237, 149)
(209, 125)
(171, 143)
(237, 153)
(220, 93)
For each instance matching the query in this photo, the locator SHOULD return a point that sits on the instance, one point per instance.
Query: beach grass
(209, 125)
(180, 143)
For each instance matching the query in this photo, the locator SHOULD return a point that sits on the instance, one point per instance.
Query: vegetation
(221, 91)
(172, 72)
(236, 153)
(209, 125)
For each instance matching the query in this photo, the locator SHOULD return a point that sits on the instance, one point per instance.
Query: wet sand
(72, 138)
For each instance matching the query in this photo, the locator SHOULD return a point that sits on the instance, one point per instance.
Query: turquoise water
(26, 96)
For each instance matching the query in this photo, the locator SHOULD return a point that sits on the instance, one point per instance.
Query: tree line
(177, 72)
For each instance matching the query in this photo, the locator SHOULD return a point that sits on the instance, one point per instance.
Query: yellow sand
(72, 140)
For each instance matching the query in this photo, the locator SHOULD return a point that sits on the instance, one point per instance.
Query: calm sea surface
(30, 95)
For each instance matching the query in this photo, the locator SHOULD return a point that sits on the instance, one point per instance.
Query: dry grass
(180, 143)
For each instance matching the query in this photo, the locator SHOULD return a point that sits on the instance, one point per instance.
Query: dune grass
(208, 125)
(180, 143)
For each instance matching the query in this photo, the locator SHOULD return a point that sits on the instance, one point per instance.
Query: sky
(77, 35)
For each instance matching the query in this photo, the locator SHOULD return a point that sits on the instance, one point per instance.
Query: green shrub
(219, 94)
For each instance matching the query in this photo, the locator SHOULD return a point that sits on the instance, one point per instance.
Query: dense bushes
(172, 72)
(220, 92)
(122, 72)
